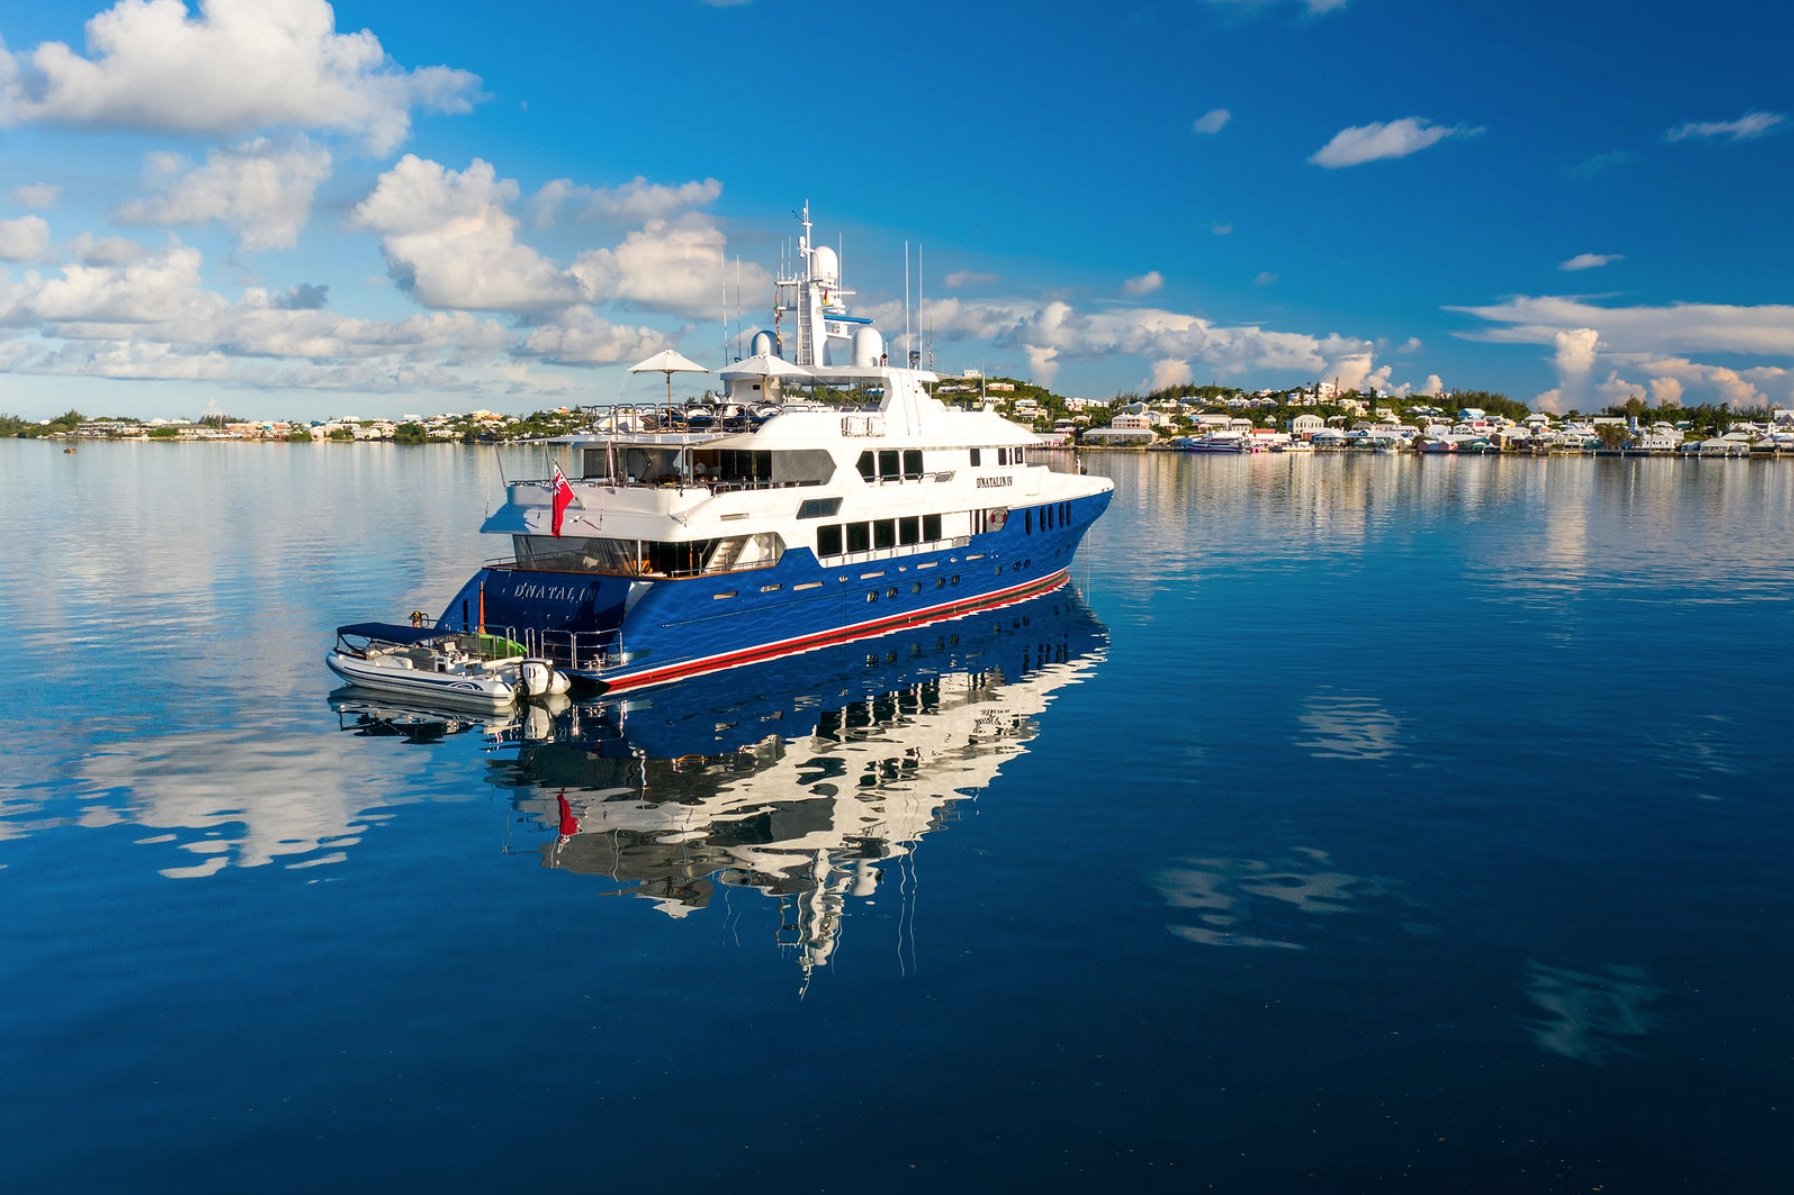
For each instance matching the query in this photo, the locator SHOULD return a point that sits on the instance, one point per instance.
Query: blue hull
(659, 630)
(723, 713)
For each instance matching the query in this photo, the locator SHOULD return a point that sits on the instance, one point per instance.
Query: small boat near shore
(441, 666)
(1227, 441)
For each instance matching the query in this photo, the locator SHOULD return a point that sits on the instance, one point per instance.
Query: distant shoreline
(70, 444)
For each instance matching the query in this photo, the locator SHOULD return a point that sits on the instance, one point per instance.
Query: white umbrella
(668, 362)
(764, 365)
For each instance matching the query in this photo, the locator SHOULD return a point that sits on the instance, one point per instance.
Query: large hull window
(836, 539)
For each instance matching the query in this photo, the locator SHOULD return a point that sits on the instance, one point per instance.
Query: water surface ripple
(1351, 819)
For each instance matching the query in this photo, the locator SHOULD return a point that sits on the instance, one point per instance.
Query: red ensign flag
(563, 496)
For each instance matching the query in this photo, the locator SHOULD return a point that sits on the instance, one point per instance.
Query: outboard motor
(535, 677)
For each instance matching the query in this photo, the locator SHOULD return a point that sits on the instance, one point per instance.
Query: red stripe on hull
(864, 630)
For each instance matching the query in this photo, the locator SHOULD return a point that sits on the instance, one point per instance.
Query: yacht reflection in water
(805, 778)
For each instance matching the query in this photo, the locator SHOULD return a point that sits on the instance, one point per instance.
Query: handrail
(663, 417)
(512, 564)
(709, 485)
(900, 552)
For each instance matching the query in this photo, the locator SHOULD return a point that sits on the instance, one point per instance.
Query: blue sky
(280, 208)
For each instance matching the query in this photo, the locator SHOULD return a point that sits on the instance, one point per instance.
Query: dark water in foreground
(1354, 820)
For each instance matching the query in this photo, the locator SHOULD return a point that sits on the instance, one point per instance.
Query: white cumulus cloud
(38, 195)
(159, 287)
(1748, 127)
(1168, 372)
(1575, 359)
(1590, 261)
(1667, 391)
(24, 239)
(581, 337)
(674, 266)
(1212, 121)
(451, 242)
(1377, 140)
(1674, 329)
(1657, 343)
(236, 66)
(636, 201)
(263, 191)
(1055, 332)
(1144, 284)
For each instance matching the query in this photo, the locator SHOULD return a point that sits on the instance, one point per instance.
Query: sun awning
(668, 362)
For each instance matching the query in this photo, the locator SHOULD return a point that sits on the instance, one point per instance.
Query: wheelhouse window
(877, 535)
(891, 464)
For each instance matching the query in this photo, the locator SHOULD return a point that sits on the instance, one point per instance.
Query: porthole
(872, 595)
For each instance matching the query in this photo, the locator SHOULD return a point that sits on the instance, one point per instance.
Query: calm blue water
(1355, 820)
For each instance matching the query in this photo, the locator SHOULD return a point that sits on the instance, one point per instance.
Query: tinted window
(912, 462)
(868, 466)
(828, 540)
(931, 526)
(909, 531)
(975, 456)
(884, 533)
(887, 463)
(859, 537)
(818, 508)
